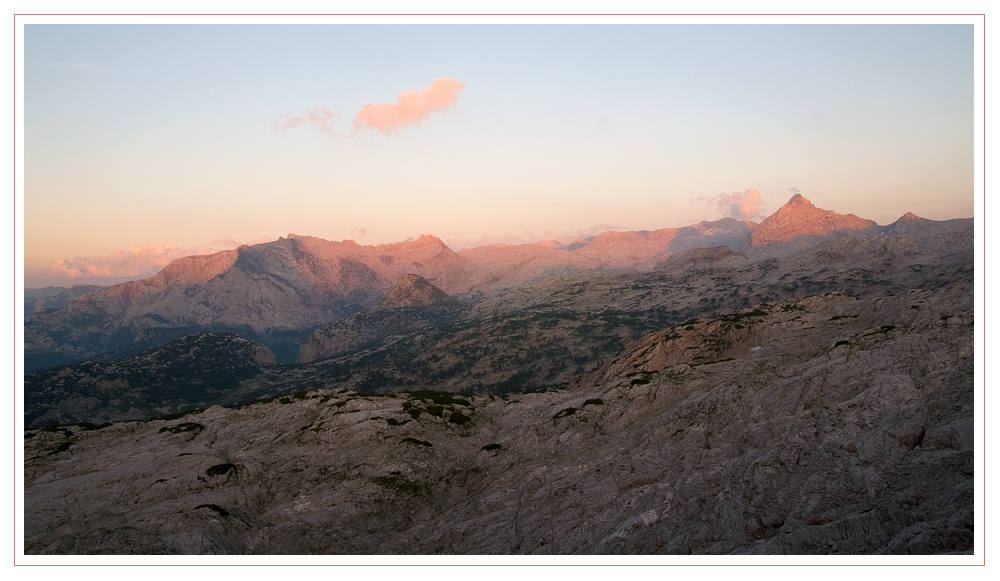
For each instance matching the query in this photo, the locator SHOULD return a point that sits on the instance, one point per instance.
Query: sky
(144, 143)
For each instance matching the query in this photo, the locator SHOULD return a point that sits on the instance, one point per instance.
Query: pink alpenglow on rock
(412, 108)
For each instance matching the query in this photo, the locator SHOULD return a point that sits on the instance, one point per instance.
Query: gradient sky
(171, 139)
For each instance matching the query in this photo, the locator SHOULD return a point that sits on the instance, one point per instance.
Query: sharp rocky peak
(800, 217)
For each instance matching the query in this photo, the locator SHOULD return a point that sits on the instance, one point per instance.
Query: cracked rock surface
(827, 424)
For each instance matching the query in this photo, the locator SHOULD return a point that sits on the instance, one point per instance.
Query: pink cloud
(412, 108)
(745, 206)
(321, 117)
(140, 262)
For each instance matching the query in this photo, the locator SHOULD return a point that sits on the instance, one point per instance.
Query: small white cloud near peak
(745, 206)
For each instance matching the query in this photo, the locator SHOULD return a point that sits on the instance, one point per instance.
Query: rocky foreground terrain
(823, 424)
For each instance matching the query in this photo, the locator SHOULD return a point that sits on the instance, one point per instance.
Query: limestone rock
(413, 290)
(792, 427)
(799, 217)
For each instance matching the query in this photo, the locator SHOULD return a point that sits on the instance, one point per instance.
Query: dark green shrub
(61, 448)
(178, 415)
(564, 413)
(220, 469)
(459, 418)
(215, 507)
(489, 447)
(185, 427)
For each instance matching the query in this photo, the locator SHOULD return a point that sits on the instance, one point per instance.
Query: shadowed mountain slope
(198, 370)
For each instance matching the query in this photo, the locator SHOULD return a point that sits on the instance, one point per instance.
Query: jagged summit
(800, 217)
(413, 290)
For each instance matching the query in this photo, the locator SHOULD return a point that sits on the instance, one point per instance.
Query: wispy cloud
(359, 232)
(140, 262)
(808, 194)
(321, 117)
(745, 206)
(412, 108)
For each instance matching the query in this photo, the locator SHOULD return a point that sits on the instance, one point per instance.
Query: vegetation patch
(86, 426)
(59, 429)
(459, 418)
(438, 397)
(400, 484)
(643, 378)
(176, 416)
(214, 507)
(489, 447)
(564, 413)
(184, 427)
(221, 469)
(740, 316)
(61, 448)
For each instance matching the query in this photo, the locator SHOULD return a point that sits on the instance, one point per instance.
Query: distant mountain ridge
(279, 292)
(53, 297)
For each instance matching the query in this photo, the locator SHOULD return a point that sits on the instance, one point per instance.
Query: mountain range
(279, 292)
(803, 385)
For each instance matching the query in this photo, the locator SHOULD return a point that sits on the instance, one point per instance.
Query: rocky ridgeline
(548, 334)
(53, 297)
(299, 283)
(799, 217)
(828, 424)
